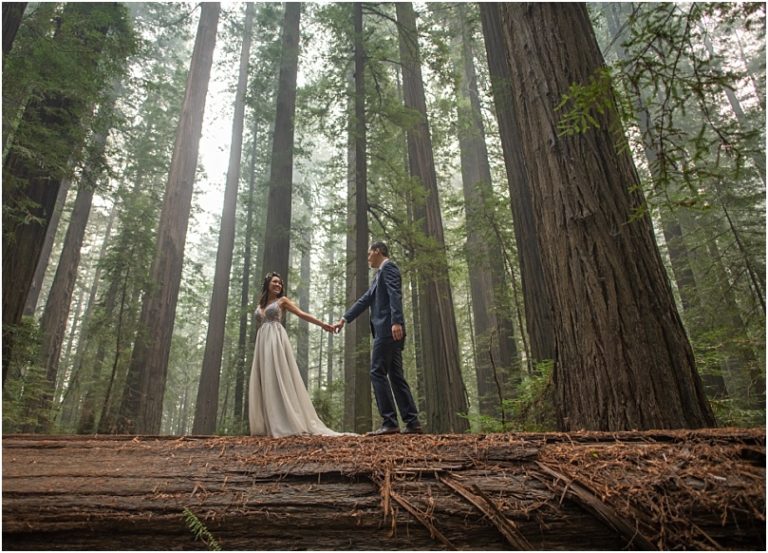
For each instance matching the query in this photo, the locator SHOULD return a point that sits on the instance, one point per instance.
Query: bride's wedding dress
(278, 402)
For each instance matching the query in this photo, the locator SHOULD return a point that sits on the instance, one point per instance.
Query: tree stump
(586, 490)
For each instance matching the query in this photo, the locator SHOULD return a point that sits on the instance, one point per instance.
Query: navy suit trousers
(387, 379)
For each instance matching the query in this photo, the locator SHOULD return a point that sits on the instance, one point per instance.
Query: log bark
(583, 490)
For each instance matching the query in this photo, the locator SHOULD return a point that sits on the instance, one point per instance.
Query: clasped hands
(397, 330)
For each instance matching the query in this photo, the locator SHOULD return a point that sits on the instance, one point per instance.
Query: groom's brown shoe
(415, 429)
(384, 430)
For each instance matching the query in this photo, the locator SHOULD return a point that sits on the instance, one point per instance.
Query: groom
(384, 297)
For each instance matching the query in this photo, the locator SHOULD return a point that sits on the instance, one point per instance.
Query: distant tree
(496, 359)
(444, 386)
(208, 391)
(141, 406)
(54, 320)
(357, 349)
(623, 358)
(278, 227)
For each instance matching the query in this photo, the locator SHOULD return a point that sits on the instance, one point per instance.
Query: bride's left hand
(327, 327)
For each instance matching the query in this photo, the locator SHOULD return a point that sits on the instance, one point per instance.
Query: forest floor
(702, 489)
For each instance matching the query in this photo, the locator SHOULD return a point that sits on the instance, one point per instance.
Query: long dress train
(278, 402)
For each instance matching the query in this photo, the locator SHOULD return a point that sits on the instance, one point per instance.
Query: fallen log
(577, 491)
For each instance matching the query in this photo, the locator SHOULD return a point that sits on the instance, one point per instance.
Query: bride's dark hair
(265, 288)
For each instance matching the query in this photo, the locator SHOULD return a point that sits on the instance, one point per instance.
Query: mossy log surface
(576, 491)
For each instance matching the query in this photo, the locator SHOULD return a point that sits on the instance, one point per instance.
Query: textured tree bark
(207, 403)
(277, 237)
(496, 358)
(623, 358)
(581, 491)
(538, 304)
(446, 395)
(142, 404)
(675, 228)
(357, 342)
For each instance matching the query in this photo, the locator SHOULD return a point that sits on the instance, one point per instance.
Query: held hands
(338, 326)
(335, 328)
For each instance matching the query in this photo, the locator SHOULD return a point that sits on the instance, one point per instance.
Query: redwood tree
(538, 306)
(623, 358)
(357, 347)
(277, 238)
(208, 391)
(446, 396)
(496, 360)
(142, 404)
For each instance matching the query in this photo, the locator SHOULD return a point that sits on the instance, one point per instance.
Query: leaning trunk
(495, 348)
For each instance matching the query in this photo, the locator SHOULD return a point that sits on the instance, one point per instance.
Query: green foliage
(26, 380)
(588, 104)
(61, 67)
(327, 404)
(531, 410)
(199, 530)
(730, 412)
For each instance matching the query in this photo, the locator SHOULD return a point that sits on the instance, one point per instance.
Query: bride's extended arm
(287, 304)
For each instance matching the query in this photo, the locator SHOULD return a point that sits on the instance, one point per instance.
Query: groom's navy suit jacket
(384, 297)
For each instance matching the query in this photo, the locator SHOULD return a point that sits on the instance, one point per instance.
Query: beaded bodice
(270, 314)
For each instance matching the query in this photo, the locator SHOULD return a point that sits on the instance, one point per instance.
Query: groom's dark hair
(381, 247)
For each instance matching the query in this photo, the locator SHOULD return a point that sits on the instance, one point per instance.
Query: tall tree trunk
(142, 404)
(75, 328)
(45, 255)
(83, 380)
(305, 279)
(242, 356)
(277, 237)
(358, 415)
(623, 358)
(446, 394)
(53, 323)
(495, 348)
(12, 14)
(679, 254)
(208, 391)
(331, 314)
(538, 304)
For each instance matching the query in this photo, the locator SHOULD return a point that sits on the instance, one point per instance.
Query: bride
(278, 402)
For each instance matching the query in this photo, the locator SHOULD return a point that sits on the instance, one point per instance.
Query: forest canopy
(574, 193)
